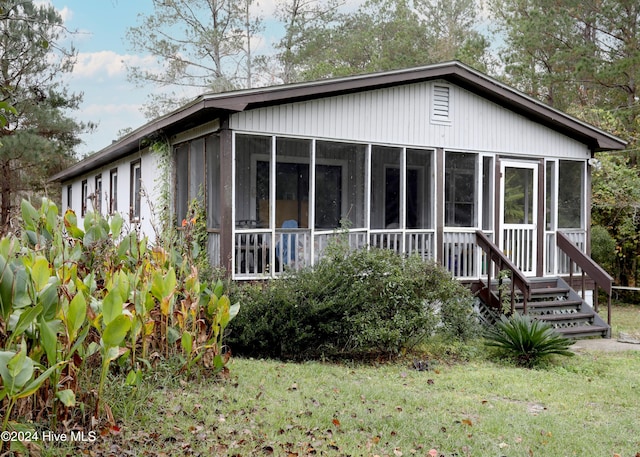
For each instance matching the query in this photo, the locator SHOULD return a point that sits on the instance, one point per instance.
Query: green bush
(527, 341)
(350, 304)
(603, 248)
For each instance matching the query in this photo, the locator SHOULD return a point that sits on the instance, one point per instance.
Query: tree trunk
(5, 196)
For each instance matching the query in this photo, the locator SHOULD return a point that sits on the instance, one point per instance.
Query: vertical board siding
(401, 115)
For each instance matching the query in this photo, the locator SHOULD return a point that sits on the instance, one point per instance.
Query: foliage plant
(70, 295)
(528, 341)
(352, 303)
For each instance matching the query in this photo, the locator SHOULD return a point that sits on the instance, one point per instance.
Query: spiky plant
(526, 340)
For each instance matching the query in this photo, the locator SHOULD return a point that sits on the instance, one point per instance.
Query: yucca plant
(526, 340)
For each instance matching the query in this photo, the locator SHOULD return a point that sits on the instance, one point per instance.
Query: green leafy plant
(528, 341)
(70, 291)
(17, 371)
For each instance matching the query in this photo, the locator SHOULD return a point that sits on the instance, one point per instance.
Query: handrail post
(599, 276)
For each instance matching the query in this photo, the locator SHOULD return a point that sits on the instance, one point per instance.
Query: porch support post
(497, 226)
(226, 200)
(439, 247)
(541, 222)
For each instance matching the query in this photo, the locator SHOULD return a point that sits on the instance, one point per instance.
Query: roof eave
(455, 72)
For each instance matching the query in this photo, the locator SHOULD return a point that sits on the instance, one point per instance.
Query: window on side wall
(136, 187)
(97, 203)
(69, 197)
(85, 196)
(113, 191)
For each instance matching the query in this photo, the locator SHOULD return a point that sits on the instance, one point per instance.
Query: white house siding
(402, 115)
(149, 165)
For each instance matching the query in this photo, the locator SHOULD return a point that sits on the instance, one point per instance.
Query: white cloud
(66, 14)
(94, 110)
(108, 63)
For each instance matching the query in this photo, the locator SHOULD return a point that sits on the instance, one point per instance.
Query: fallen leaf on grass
(336, 422)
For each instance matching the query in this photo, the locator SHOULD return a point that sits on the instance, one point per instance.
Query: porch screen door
(519, 213)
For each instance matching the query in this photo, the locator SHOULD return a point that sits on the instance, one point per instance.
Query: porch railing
(519, 245)
(461, 255)
(587, 267)
(497, 261)
(557, 262)
(292, 248)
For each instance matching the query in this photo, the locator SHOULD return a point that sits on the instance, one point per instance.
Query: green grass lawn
(578, 406)
(624, 318)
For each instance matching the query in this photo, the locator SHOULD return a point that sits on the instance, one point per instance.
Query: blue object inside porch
(288, 243)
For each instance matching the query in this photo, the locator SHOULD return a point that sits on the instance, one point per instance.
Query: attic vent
(440, 107)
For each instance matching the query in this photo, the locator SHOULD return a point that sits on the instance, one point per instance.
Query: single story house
(418, 160)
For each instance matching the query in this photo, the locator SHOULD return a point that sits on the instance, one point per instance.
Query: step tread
(582, 329)
(563, 316)
(549, 291)
(550, 304)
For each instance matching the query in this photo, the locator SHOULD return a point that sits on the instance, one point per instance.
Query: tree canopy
(37, 136)
(203, 45)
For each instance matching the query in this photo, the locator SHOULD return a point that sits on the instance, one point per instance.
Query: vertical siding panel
(401, 115)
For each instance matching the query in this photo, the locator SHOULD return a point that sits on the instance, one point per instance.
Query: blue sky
(109, 99)
(99, 28)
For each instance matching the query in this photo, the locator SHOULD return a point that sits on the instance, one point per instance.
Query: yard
(584, 405)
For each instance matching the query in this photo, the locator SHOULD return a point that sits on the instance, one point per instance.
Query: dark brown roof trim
(210, 106)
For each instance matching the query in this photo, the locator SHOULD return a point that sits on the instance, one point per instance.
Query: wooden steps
(553, 301)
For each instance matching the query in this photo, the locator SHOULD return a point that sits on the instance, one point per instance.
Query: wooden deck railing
(497, 261)
(589, 268)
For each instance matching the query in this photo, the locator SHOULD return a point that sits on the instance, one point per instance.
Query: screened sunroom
(292, 195)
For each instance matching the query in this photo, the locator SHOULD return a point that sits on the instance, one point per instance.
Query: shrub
(527, 341)
(351, 303)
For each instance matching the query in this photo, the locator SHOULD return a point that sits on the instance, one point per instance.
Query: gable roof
(213, 105)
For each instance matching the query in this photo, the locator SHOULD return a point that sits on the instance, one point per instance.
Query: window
(69, 197)
(190, 175)
(340, 184)
(401, 198)
(570, 194)
(252, 184)
(85, 196)
(97, 197)
(136, 183)
(113, 191)
(550, 197)
(385, 187)
(460, 189)
(212, 158)
(419, 189)
(487, 193)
